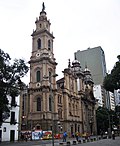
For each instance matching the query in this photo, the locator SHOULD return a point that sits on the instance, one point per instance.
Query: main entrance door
(12, 135)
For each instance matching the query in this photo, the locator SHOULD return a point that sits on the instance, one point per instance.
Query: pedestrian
(64, 136)
(72, 135)
(26, 137)
(76, 135)
(22, 136)
(113, 135)
(101, 133)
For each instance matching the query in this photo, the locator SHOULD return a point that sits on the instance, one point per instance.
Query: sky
(76, 25)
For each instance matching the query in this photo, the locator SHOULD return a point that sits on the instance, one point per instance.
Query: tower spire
(43, 9)
(69, 63)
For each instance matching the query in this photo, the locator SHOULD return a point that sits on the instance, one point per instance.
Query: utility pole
(52, 104)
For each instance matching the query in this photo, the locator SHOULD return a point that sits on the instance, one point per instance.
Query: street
(103, 142)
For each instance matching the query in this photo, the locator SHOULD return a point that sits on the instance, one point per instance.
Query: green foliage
(10, 80)
(102, 119)
(117, 112)
(117, 109)
(112, 80)
(108, 83)
(105, 119)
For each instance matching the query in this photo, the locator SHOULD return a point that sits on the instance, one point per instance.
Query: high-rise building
(94, 58)
(98, 94)
(112, 101)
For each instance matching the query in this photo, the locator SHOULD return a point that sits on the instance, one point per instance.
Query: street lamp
(52, 104)
(91, 126)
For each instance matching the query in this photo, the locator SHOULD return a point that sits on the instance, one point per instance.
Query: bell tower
(42, 71)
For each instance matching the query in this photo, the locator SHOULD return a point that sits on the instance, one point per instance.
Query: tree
(10, 81)
(117, 119)
(112, 81)
(102, 119)
(105, 119)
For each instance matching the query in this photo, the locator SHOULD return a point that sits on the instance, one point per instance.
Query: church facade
(67, 104)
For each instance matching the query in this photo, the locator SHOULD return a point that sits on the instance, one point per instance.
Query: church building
(67, 104)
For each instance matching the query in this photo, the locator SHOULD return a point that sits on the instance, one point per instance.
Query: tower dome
(76, 67)
(88, 77)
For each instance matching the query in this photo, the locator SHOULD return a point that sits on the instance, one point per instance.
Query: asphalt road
(103, 142)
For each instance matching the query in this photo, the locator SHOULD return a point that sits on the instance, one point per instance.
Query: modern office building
(98, 94)
(94, 58)
(112, 101)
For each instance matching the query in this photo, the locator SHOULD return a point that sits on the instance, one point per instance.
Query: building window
(49, 45)
(73, 110)
(59, 99)
(70, 109)
(13, 102)
(60, 113)
(12, 120)
(4, 129)
(50, 103)
(76, 110)
(38, 104)
(38, 76)
(50, 76)
(39, 43)
(78, 84)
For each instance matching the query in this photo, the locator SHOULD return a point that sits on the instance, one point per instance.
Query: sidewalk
(94, 141)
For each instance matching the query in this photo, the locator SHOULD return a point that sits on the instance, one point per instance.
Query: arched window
(40, 25)
(39, 43)
(50, 103)
(76, 111)
(49, 45)
(38, 104)
(38, 76)
(73, 110)
(50, 76)
(70, 112)
(59, 99)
